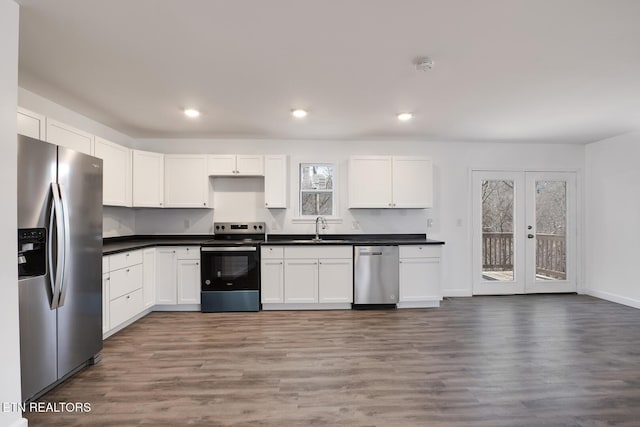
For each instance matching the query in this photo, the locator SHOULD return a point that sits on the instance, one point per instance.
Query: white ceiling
(505, 70)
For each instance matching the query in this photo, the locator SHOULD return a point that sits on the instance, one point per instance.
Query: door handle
(60, 249)
(67, 241)
(530, 236)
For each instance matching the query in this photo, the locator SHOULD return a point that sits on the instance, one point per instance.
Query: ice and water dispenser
(32, 252)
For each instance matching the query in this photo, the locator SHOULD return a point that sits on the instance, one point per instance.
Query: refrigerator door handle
(66, 240)
(55, 273)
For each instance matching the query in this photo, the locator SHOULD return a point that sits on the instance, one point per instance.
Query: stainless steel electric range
(230, 273)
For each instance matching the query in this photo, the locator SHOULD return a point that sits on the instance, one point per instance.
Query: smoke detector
(423, 63)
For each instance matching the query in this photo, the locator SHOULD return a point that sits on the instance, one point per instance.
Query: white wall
(118, 221)
(452, 201)
(612, 205)
(10, 354)
(38, 104)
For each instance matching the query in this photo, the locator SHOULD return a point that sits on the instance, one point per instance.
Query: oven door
(232, 268)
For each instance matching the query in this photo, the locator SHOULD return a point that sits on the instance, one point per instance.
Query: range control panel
(222, 228)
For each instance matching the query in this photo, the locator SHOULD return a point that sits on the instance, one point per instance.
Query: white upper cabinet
(61, 134)
(116, 176)
(412, 182)
(276, 181)
(186, 184)
(31, 124)
(235, 165)
(390, 182)
(221, 165)
(148, 179)
(370, 182)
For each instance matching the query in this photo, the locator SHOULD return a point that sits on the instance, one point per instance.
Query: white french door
(524, 232)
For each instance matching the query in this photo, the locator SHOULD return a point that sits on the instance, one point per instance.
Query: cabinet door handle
(204, 204)
(266, 204)
(128, 296)
(108, 278)
(127, 270)
(127, 254)
(197, 263)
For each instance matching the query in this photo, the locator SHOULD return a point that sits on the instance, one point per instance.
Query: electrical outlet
(429, 222)
(355, 225)
(274, 226)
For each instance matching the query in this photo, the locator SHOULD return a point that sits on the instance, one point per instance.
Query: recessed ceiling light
(298, 113)
(403, 117)
(191, 112)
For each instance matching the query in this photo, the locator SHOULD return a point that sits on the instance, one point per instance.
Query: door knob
(530, 236)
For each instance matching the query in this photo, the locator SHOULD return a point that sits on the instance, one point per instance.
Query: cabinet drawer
(298, 252)
(420, 251)
(105, 264)
(188, 252)
(125, 259)
(124, 308)
(125, 280)
(271, 252)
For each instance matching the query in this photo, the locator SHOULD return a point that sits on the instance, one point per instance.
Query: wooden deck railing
(551, 254)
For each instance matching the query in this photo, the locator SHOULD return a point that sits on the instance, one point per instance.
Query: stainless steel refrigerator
(59, 262)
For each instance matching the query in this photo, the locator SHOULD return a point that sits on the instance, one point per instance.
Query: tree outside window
(317, 186)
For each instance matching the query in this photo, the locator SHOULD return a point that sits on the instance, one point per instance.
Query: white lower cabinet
(166, 285)
(300, 280)
(125, 307)
(178, 275)
(272, 281)
(300, 277)
(335, 280)
(105, 303)
(188, 281)
(420, 276)
(149, 277)
(122, 282)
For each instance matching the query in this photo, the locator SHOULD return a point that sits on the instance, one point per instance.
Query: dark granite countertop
(114, 245)
(352, 239)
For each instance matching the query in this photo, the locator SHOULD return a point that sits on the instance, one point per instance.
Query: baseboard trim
(419, 304)
(456, 293)
(613, 298)
(310, 306)
(176, 307)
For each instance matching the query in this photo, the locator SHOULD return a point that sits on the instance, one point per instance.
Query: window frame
(334, 191)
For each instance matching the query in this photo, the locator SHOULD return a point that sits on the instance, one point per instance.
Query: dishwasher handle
(370, 253)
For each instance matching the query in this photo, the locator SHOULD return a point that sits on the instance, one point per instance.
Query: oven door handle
(230, 249)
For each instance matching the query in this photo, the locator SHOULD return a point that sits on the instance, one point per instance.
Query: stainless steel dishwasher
(376, 275)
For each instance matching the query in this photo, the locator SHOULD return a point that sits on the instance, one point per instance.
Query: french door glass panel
(551, 232)
(497, 229)
(524, 232)
(498, 248)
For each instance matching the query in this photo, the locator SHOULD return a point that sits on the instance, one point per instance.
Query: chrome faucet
(320, 220)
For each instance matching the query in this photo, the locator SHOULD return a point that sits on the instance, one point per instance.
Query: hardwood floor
(538, 360)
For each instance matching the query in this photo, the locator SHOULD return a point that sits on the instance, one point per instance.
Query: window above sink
(317, 195)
